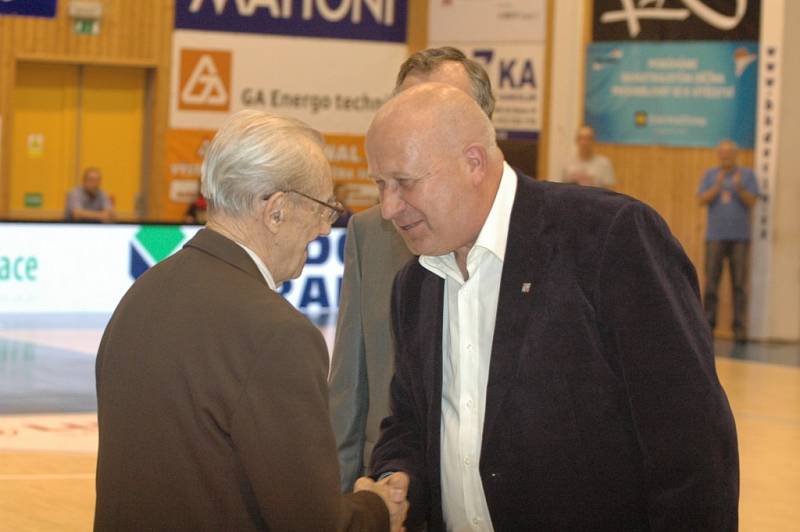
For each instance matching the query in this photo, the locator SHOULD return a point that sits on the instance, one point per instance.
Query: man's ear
(477, 162)
(272, 211)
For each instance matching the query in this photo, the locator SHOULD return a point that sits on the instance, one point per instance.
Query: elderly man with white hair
(212, 399)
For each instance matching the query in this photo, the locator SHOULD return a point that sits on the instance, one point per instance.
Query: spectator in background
(588, 168)
(87, 203)
(196, 213)
(729, 191)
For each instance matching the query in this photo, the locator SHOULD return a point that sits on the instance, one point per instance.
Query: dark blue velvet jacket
(603, 407)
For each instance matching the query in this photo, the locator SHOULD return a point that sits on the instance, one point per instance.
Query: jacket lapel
(431, 323)
(528, 251)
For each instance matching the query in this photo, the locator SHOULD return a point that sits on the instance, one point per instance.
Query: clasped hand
(394, 491)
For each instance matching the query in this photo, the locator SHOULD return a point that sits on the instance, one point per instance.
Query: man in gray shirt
(87, 203)
(363, 356)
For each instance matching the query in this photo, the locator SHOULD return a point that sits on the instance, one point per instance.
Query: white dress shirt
(470, 310)
(261, 266)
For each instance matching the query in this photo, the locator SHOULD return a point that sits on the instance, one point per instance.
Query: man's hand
(737, 180)
(393, 490)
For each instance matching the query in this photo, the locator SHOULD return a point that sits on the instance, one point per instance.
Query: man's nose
(326, 229)
(391, 203)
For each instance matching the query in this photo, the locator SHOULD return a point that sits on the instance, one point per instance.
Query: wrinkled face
(727, 155)
(424, 189)
(305, 221)
(91, 182)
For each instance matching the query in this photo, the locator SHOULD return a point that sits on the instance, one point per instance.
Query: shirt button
(467, 461)
(469, 403)
(476, 521)
(469, 347)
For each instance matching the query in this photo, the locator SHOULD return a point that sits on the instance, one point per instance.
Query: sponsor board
(73, 268)
(324, 86)
(517, 75)
(370, 20)
(74, 432)
(496, 21)
(33, 8)
(680, 94)
(676, 20)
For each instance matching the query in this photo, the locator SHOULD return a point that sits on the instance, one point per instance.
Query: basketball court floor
(48, 425)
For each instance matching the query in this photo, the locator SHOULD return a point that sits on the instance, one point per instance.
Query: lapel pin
(526, 288)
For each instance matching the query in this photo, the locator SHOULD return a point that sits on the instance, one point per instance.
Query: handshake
(393, 490)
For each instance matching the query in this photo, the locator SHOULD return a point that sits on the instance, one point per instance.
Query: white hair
(255, 154)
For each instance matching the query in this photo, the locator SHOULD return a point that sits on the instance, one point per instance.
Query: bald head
(433, 114)
(432, 152)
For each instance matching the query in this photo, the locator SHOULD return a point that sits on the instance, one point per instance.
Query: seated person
(87, 203)
(196, 213)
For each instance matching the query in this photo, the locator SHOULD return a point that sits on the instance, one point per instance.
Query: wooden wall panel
(417, 36)
(132, 33)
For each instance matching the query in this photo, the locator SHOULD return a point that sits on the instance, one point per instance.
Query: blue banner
(681, 94)
(369, 20)
(34, 8)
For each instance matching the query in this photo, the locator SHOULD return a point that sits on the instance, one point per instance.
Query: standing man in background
(87, 203)
(588, 167)
(363, 355)
(729, 191)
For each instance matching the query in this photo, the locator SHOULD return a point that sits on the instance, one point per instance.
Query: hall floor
(48, 425)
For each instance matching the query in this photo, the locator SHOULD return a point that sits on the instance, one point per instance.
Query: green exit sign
(34, 200)
(85, 26)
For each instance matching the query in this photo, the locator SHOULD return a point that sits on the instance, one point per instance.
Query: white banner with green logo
(70, 268)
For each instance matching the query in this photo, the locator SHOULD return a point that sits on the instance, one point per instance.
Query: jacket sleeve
(348, 390)
(653, 326)
(281, 433)
(401, 446)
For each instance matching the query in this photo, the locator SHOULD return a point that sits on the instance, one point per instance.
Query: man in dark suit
(212, 398)
(553, 367)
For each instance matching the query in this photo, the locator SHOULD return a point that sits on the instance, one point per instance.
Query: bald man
(729, 191)
(553, 367)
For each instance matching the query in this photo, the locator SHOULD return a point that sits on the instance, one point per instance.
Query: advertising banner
(330, 64)
(773, 66)
(508, 38)
(680, 94)
(487, 20)
(34, 8)
(676, 20)
(372, 20)
(517, 75)
(333, 85)
(86, 268)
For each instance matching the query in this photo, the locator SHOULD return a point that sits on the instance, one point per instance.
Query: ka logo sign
(205, 80)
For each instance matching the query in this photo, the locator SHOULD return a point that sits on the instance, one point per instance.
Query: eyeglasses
(336, 208)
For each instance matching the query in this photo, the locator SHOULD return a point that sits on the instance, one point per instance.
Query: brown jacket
(212, 406)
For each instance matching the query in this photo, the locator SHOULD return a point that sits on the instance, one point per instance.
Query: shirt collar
(261, 266)
(493, 235)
